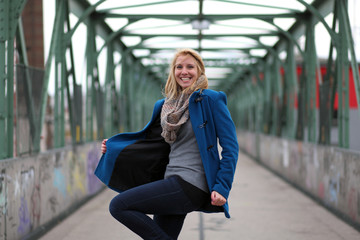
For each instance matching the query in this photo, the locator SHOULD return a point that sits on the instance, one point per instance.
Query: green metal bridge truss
(266, 94)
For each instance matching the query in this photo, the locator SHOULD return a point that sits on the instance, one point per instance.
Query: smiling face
(186, 71)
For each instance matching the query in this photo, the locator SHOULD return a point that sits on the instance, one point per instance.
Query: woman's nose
(184, 71)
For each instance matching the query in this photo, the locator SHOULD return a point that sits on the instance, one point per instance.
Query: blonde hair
(172, 88)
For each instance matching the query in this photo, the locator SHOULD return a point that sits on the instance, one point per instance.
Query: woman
(179, 171)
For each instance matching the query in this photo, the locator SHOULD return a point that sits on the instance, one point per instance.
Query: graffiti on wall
(329, 174)
(36, 189)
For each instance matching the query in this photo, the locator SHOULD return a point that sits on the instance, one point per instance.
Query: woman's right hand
(103, 146)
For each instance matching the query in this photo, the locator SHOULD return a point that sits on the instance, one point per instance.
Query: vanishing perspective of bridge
(73, 72)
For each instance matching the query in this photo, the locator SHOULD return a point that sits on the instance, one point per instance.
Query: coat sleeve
(226, 133)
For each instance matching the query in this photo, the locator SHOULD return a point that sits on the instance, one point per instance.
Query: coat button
(198, 99)
(203, 125)
(210, 147)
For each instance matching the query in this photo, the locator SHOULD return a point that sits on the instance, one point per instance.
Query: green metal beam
(91, 78)
(277, 97)
(56, 34)
(195, 36)
(60, 72)
(343, 78)
(110, 127)
(260, 5)
(246, 49)
(291, 91)
(323, 8)
(10, 13)
(188, 17)
(75, 117)
(318, 15)
(33, 121)
(140, 5)
(310, 68)
(350, 42)
(82, 18)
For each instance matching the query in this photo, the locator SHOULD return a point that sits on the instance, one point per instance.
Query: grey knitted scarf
(175, 112)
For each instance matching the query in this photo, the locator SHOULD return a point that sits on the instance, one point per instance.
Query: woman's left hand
(217, 199)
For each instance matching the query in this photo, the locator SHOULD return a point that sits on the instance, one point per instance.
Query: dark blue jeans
(165, 199)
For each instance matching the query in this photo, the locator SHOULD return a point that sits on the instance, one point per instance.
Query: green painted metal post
(343, 81)
(267, 126)
(70, 75)
(131, 93)
(4, 33)
(276, 97)
(119, 98)
(124, 92)
(10, 13)
(330, 84)
(259, 98)
(310, 68)
(291, 91)
(60, 77)
(10, 97)
(137, 100)
(35, 127)
(141, 97)
(92, 77)
(110, 92)
(354, 62)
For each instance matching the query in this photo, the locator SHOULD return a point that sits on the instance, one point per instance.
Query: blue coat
(212, 125)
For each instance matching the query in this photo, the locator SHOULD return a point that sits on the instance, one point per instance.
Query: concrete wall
(34, 191)
(330, 175)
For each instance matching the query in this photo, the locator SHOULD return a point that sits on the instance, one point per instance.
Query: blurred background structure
(73, 72)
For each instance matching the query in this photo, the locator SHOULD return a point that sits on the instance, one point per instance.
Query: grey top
(185, 160)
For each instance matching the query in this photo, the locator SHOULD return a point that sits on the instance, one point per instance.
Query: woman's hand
(103, 146)
(217, 199)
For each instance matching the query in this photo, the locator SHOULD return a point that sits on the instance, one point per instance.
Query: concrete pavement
(262, 207)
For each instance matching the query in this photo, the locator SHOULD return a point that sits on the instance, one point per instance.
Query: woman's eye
(179, 67)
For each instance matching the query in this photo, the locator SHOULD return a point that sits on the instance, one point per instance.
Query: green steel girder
(326, 119)
(35, 127)
(267, 98)
(10, 12)
(258, 92)
(291, 91)
(342, 76)
(342, 42)
(60, 78)
(246, 49)
(78, 7)
(142, 5)
(289, 36)
(208, 36)
(262, 101)
(92, 78)
(318, 15)
(310, 69)
(110, 127)
(110, 39)
(322, 8)
(102, 29)
(260, 5)
(350, 43)
(84, 16)
(75, 116)
(277, 97)
(124, 93)
(211, 18)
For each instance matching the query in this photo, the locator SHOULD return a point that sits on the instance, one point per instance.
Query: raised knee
(116, 206)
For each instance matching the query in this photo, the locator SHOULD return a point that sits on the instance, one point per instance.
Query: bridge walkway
(262, 207)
